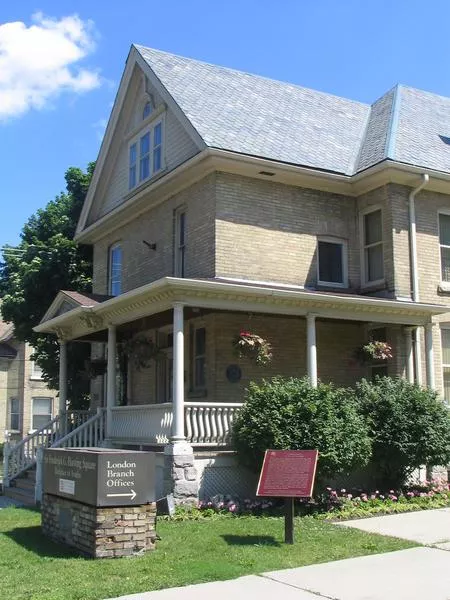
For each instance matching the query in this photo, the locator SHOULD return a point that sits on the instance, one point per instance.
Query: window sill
(374, 286)
(197, 394)
(444, 287)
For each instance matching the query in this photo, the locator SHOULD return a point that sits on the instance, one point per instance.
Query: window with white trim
(36, 371)
(14, 414)
(198, 359)
(444, 244)
(146, 154)
(42, 411)
(372, 238)
(115, 270)
(445, 341)
(180, 242)
(332, 262)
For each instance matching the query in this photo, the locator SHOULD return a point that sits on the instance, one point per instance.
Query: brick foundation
(100, 532)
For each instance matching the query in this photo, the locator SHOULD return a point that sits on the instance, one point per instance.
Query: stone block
(190, 473)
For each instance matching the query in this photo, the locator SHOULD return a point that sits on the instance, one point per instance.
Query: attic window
(445, 139)
(148, 109)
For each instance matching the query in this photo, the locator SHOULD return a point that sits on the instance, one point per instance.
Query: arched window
(148, 109)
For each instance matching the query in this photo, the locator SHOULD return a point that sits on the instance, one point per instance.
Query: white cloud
(40, 61)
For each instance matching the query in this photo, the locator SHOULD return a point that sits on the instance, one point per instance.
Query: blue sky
(61, 61)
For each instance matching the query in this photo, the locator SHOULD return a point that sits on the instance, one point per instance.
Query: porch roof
(222, 294)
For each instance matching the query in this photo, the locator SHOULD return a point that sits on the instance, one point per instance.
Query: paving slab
(425, 527)
(414, 574)
(251, 586)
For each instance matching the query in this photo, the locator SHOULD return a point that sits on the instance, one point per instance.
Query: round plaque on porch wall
(234, 373)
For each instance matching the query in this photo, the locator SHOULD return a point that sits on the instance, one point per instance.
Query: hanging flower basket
(373, 351)
(252, 346)
(140, 350)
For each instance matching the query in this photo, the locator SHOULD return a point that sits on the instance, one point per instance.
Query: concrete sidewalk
(413, 574)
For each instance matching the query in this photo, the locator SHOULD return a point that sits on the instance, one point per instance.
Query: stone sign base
(100, 532)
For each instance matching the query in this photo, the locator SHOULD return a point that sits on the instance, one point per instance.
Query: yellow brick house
(224, 201)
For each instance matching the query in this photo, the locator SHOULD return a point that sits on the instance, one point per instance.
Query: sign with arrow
(100, 476)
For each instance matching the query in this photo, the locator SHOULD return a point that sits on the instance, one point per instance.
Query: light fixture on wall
(152, 246)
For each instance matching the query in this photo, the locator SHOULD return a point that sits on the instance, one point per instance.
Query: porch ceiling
(219, 294)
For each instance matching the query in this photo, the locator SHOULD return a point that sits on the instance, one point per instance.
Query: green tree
(291, 414)
(46, 261)
(409, 427)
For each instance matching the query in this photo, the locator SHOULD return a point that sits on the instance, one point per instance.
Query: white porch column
(111, 377)
(418, 355)
(408, 331)
(431, 381)
(62, 376)
(311, 349)
(178, 374)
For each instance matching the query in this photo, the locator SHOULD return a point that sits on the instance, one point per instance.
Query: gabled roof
(254, 115)
(68, 300)
(249, 114)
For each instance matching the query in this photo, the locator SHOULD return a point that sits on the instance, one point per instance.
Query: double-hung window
(445, 341)
(180, 241)
(14, 414)
(42, 412)
(332, 262)
(372, 246)
(444, 243)
(199, 359)
(115, 270)
(146, 154)
(36, 371)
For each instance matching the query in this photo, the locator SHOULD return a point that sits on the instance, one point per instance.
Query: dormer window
(146, 154)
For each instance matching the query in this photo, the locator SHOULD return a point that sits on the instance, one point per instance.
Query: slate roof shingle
(253, 115)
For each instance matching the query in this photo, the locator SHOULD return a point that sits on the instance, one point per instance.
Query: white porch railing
(90, 434)
(209, 423)
(206, 423)
(19, 457)
(146, 423)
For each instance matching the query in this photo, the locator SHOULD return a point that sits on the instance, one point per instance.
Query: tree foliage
(291, 414)
(46, 261)
(409, 427)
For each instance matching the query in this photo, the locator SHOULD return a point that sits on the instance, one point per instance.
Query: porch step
(22, 488)
(24, 496)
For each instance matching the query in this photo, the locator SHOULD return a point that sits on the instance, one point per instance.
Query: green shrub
(291, 414)
(408, 425)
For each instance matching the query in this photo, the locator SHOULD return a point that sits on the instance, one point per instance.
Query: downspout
(415, 272)
(413, 238)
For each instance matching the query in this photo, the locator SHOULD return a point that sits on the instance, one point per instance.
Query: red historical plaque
(288, 473)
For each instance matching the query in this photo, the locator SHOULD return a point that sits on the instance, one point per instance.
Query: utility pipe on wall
(413, 238)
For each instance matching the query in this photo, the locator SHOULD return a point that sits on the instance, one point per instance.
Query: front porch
(187, 396)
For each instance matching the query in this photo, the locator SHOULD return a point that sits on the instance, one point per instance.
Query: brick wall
(336, 343)
(99, 532)
(268, 231)
(142, 265)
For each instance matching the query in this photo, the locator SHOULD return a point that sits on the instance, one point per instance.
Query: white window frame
(179, 246)
(364, 247)
(150, 123)
(50, 398)
(10, 414)
(444, 326)
(344, 257)
(36, 371)
(116, 245)
(444, 285)
(196, 387)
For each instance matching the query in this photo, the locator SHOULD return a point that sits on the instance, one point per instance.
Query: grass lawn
(33, 568)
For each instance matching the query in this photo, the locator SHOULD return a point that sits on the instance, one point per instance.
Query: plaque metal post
(289, 520)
